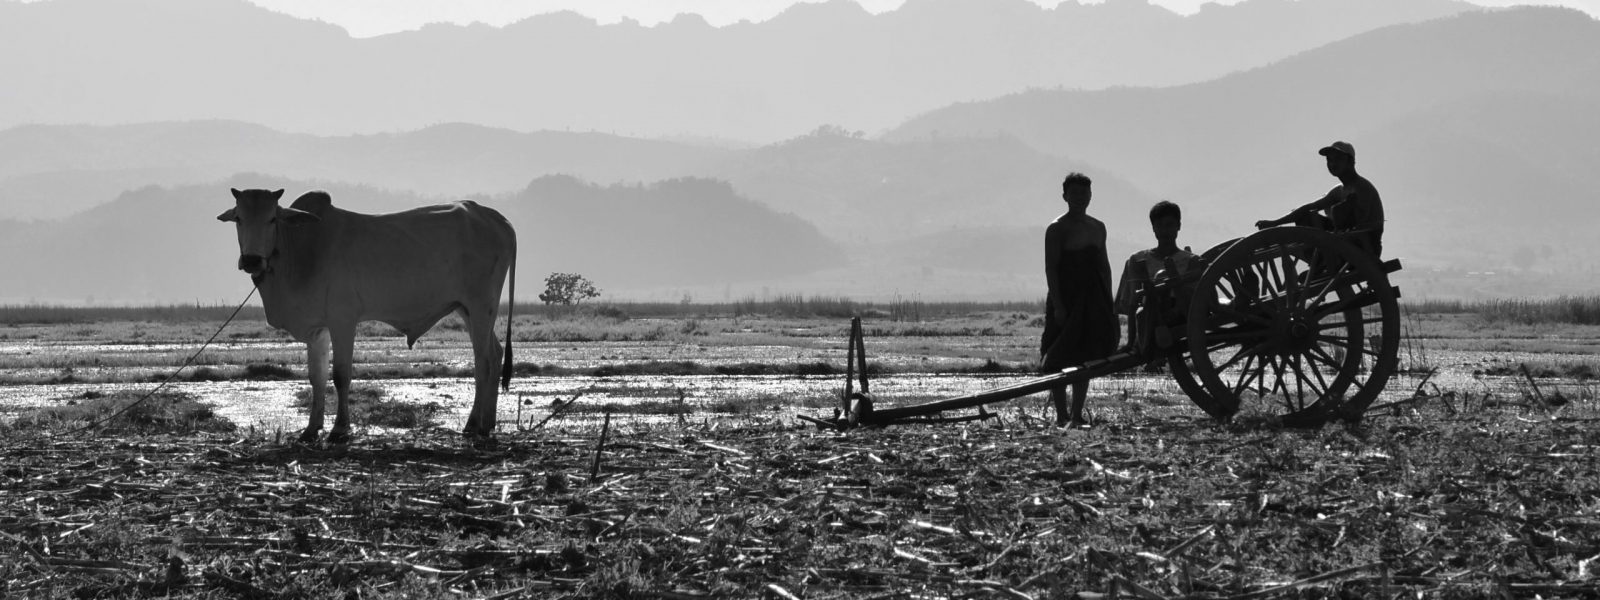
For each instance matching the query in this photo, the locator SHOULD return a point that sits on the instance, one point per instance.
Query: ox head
(257, 217)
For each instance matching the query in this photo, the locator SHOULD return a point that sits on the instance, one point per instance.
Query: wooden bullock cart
(1295, 321)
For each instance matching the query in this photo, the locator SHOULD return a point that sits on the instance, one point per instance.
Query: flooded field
(270, 404)
(39, 372)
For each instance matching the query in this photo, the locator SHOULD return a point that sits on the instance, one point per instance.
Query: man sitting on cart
(1154, 291)
(1352, 209)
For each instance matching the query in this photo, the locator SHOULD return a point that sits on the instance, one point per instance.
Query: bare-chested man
(1352, 208)
(1149, 266)
(1080, 324)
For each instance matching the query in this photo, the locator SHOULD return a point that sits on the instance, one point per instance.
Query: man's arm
(1132, 275)
(1322, 203)
(1052, 262)
(1104, 266)
(1127, 286)
(1105, 263)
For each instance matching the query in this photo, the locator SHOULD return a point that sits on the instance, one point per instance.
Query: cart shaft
(1084, 372)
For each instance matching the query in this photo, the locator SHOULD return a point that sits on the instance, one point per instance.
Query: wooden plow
(1292, 321)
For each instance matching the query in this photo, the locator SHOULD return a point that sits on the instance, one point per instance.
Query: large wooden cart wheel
(1180, 361)
(1181, 365)
(1295, 322)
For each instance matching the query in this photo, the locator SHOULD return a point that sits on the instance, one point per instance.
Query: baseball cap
(1341, 147)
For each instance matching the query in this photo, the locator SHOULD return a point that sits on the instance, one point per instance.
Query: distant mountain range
(1479, 129)
(161, 244)
(120, 61)
(53, 171)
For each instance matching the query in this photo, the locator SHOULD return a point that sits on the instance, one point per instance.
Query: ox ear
(276, 195)
(231, 214)
(295, 216)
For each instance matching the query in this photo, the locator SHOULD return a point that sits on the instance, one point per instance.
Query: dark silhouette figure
(1164, 262)
(1079, 323)
(1352, 208)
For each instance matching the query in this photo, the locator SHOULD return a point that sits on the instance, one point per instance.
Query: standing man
(1351, 208)
(1079, 323)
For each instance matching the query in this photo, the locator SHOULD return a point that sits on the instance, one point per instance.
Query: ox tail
(511, 307)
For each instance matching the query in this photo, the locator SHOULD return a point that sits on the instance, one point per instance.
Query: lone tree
(567, 289)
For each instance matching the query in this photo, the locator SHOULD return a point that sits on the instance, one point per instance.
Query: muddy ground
(1479, 487)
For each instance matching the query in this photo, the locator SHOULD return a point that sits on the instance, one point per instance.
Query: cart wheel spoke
(1291, 279)
(1304, 382)
(1358, 301)
(1239, 316)
(1309, 364)
(1344, 324)
(1280, 384)
(1247, 376)
(1322, 356)
(1234, 335)
(1322, 293)
(1273, 276)
(1244, 352)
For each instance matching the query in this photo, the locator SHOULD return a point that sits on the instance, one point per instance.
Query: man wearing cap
(1352, 208)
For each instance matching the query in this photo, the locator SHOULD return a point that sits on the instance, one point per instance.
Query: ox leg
(485, 371)
(344, 349)
(317, 368)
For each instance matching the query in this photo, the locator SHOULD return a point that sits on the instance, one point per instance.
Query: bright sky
(365, 18)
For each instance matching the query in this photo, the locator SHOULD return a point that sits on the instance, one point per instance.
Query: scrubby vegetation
(371, 406)
(1574, 310)
(124, 412)
(1419, 502)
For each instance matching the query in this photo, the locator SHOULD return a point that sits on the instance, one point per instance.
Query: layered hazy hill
(118, 61)
(858, 189)
(865, 191)
(1477, 129)
(679, 232)
(161, 244)
(54, 171)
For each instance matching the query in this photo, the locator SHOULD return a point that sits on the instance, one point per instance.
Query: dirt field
(702, 484)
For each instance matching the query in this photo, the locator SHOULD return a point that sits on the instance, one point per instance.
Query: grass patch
(174, 313)
(204, 374)
(721, 406)
(370, 406)
(402, 415)
(990, 367)
(679, 368)
(1575, 310)
(268, 372)
(1581, 371)
(600, 328)
(162, 413)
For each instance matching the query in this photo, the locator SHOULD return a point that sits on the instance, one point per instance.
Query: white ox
(322, 270)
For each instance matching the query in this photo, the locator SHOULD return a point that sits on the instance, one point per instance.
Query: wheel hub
(1299, 333)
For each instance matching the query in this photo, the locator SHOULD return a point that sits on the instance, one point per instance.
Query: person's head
(1165, 220)
(1341, 158)
(1076, 192)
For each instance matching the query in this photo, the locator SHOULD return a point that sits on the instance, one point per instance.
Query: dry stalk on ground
(1442, 506)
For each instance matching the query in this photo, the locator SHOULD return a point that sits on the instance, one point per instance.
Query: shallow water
(271, 404)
